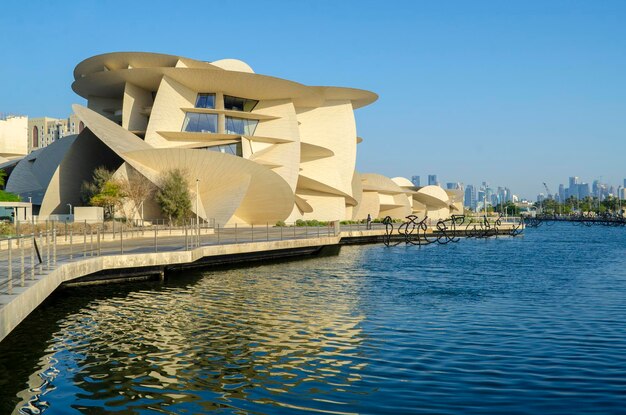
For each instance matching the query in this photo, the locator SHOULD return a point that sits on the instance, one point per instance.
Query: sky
(515, 93)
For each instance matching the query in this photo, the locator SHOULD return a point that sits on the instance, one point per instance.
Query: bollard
(71, 242)
(99, 247)
(155, 238)
(85, 240)
(10, 280)
(91, 241)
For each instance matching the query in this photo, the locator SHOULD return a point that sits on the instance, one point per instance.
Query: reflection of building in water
(271, 328)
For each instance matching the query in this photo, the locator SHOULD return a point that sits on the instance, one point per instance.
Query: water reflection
(525, 325)
(227, 340)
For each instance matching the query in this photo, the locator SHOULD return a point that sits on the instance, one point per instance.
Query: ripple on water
(535, 324)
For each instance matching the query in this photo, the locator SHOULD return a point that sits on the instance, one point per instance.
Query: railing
(585, 219)
(31, 250)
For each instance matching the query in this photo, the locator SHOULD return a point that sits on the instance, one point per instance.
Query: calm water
(535, 324)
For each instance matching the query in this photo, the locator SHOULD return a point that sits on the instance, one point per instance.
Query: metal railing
(30, 250)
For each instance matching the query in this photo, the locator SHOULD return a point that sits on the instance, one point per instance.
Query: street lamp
(197, 214)
(142, 213)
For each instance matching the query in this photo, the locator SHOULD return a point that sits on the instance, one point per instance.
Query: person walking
(369, 222)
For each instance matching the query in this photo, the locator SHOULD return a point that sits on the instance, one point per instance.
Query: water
(534, 324)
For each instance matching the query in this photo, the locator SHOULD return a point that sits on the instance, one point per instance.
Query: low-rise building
(13, 136)
(43, 131)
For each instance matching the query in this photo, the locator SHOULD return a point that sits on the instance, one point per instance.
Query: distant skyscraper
(595, 188)
(453, 185)
(624, 183)
(573, 190)
(415, 180)
(432, 180)
(562, 196)
(470, 196)
(480, 198)
(583, 190)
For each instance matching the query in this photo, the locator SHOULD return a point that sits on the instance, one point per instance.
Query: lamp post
(142, 213)
(485, 201)
(197, 204)
(197, 214)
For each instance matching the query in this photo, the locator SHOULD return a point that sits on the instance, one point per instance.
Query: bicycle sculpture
(416, 232)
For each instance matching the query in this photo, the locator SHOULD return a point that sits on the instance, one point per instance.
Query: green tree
(8, 197)
(103, 191)
(3, 178)
(109, 198)
(508, 208)
(173, 195)
(4, 195)
(88, 190)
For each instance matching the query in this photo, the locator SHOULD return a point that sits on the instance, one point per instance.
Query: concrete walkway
(25, 298)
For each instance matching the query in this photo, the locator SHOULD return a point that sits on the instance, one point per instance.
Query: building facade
(13, 137)
(43, 131)
(255, 149)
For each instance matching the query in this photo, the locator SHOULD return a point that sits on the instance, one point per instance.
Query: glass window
(200, 123)
(205, 101)
(240, 126)
(234, 149)
(239, 104)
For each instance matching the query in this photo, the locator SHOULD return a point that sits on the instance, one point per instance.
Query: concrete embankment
(17, 306)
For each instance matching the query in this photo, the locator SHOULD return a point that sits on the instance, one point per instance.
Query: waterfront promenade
(31, 272)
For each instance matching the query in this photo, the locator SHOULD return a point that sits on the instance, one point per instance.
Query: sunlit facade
(258, 149)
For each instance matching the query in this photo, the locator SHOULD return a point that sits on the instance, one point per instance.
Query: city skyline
(521, 92)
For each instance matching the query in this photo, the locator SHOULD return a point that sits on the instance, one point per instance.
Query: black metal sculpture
(415, 231)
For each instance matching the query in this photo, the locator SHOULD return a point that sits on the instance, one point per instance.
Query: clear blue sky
(512, 92)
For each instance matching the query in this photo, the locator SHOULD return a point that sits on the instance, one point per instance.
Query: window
(239, 104)
(240, 126)
(233, 149)
(35, 137)
(200, 123)
(205, 101)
